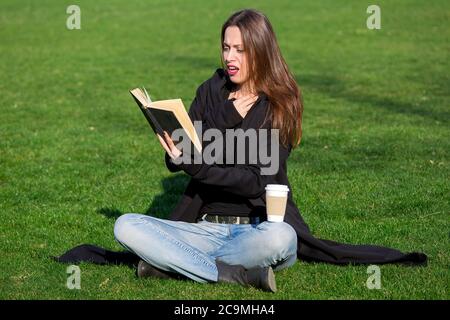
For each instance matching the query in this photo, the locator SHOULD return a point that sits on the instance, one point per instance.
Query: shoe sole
(140, 270)
(271, 280)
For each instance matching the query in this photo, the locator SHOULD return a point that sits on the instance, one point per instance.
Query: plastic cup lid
(276, 187)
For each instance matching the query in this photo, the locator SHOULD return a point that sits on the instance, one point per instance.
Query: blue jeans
(192, 248)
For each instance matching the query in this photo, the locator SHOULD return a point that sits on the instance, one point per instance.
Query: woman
(224, 250)
(217, 232)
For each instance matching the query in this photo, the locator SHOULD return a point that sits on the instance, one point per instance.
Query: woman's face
(234, 56)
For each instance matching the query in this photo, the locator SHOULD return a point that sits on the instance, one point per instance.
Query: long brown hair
(269, 73)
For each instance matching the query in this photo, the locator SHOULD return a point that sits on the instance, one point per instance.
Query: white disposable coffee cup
(276, 200)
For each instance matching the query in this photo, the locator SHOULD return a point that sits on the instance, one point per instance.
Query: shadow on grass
(173, 188)
(110, 213)
(335, 88)
(162, 204)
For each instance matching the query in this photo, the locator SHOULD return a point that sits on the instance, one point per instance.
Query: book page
(177, 107)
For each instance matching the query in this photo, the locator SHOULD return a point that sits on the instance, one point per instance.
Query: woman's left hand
(169, 146)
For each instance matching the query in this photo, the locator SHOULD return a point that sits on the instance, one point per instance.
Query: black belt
(215, 218)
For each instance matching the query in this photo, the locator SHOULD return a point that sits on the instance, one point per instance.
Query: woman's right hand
(244, 104)
(169, 146)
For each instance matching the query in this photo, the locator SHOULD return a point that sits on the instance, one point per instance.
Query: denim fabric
(192, 248)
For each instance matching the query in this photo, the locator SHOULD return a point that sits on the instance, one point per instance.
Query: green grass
(75, 152)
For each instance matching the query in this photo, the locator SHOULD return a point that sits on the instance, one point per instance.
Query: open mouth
(232, 70)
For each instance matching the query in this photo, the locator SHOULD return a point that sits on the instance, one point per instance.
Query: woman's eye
(225, 49)
(240, 51)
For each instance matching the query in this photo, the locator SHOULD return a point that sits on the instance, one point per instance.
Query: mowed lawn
(76, 152)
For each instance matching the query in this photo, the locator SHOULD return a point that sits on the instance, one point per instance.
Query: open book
(166, 115)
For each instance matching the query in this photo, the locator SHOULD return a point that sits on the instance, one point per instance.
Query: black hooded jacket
(212, 107)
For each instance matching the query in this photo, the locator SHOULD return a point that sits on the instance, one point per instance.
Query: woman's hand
(243, 104)
(169, 146)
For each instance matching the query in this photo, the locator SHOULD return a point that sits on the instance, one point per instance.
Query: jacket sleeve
(242, 179)
(245, 180)
(170, 165)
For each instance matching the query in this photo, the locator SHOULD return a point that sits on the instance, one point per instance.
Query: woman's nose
(230, 55)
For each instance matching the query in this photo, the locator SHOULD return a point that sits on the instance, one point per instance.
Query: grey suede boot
(259, 277)
(145, 270)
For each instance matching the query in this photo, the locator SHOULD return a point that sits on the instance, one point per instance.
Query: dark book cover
(150, 118)
(160, 120)
(165, 119)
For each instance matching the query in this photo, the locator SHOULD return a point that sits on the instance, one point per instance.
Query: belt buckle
(235, 220)
(230, 219)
